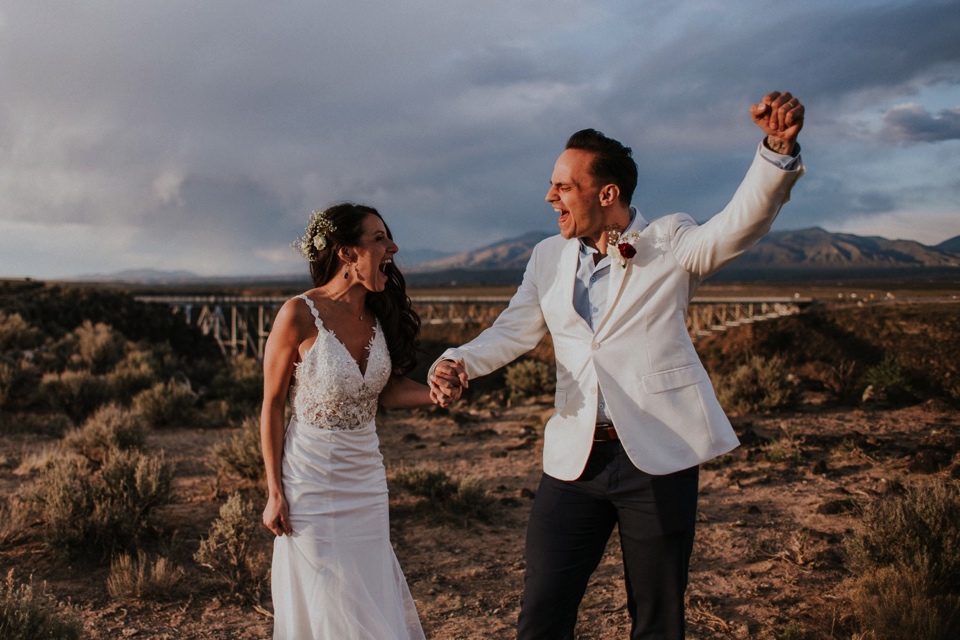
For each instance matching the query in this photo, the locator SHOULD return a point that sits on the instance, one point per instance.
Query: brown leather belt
(605, 432)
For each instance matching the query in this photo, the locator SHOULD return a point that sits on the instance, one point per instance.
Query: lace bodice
(329, 391)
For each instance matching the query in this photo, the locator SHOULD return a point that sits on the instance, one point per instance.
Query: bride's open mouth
(383, 266)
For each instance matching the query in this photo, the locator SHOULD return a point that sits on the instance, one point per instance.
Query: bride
(339, 349)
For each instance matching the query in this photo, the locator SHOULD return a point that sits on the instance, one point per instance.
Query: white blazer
(658, 394)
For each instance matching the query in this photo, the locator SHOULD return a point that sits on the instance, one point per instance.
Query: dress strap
(313, 310)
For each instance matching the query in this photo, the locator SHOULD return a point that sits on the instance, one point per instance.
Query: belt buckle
(605, 432)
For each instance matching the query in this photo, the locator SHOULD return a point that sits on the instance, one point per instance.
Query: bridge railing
(241, 324)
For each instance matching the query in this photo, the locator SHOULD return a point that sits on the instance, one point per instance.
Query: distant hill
(511, 254)
(799, 253)
(811, 249)
(952, 245)
(818, 249)
(142, 276)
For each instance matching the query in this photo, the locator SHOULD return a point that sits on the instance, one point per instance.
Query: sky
(199, 136)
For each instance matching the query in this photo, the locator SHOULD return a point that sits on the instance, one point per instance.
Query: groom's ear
(609, 194)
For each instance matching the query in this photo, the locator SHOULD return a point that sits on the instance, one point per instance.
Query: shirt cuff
(787, 163)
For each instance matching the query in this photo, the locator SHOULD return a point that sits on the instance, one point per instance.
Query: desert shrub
(35, 462)
(52, 424)
(760, 384)
(76, 393)
(896, 603)
(232, 552)
(15, 518)
(143, 579)
(913, 539)
(240, 383)
(919, 530)
(167, 404)
(109, 429)
(842, 378)
(453, 499)
(91, 510)
(138, 370)
(241, 454)
(786, 448)
(29, 614)
(17, 333)
(18, 380)
(96, 347)
(527, 378)
(889, 377)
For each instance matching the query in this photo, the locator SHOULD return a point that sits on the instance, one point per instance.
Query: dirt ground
(768, 555)
(768, 560)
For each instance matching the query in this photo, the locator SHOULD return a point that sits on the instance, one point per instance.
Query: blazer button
(595, 346)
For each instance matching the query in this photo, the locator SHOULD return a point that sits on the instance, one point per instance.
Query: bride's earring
(346, 273)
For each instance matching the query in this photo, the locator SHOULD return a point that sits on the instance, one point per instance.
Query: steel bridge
(241, 324)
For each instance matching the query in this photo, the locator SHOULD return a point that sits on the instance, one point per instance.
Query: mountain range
(795, 254)
(805, 249)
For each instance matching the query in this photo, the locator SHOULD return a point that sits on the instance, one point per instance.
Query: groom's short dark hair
(613, 162)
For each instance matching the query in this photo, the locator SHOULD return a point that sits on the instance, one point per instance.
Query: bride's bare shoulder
(295, 317)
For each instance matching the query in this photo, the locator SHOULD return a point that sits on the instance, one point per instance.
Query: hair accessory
(315, 240)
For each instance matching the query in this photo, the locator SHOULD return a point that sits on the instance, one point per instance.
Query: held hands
(780, 117)
(447, 382)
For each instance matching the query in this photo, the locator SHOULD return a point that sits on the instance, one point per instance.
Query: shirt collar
(635, 217)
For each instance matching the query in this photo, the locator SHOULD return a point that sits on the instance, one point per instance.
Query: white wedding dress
(336, 577)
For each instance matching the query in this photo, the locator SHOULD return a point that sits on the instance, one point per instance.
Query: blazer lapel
(618, 275)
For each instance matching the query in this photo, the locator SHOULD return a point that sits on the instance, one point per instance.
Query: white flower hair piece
(316, 238)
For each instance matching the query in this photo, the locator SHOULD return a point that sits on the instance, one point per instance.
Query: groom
(635, 411)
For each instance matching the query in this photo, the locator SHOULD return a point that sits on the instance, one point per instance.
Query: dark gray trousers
(570, 524)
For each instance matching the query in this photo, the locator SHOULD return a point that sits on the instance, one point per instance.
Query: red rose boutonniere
(620, 247)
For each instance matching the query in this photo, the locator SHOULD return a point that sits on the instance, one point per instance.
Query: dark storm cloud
(913, 123)
(216, 127)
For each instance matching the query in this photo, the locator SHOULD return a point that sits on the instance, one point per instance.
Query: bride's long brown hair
(392, 306)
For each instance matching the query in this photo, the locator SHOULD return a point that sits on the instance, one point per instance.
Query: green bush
(760, 384)
(26, 614)
(167, 404)
(452, 499)
(233, 552)
(241, 454)
(888, 381)
(89, 509)
(906, 553)
(110, 428)
(527, 378)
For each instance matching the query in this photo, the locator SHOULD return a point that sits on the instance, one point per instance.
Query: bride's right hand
(276, 516)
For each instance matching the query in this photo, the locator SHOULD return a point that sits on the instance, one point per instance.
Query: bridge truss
(241, 324)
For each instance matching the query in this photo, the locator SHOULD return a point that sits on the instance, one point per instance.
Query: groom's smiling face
(575, 196)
